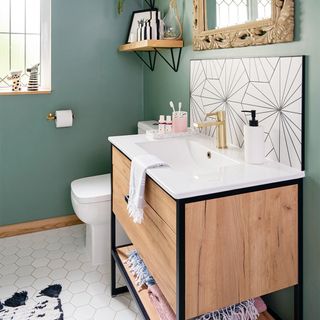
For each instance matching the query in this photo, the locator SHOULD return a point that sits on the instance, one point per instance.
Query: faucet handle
(220, 115)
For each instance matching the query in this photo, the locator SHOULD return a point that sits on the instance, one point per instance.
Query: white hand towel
(139, 166)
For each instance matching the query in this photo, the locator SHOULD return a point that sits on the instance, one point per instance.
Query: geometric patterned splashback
(273, 86)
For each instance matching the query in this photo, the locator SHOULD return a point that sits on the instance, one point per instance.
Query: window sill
(24, 92)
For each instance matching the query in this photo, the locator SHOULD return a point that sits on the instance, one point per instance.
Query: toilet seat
(92, 189)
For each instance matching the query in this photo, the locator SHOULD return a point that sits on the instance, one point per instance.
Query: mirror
(226, 13)
(239, 23)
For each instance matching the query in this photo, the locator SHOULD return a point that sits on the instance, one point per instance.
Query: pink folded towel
(160, 303)
(260, 305)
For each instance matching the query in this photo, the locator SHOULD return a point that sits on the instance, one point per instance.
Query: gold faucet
(220, 123)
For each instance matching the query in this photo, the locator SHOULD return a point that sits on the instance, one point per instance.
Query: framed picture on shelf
(144, 25)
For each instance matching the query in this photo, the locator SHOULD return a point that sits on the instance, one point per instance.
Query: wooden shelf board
(143, 294)
(23, 92)
(265, 316)
(150, 45)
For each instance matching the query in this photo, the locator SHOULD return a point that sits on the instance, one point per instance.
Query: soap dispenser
(254, 150)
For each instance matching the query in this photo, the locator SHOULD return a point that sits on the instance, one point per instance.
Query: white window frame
(45, 45)
(45, 52)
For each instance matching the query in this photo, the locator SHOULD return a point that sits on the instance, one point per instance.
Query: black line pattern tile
(271, 85)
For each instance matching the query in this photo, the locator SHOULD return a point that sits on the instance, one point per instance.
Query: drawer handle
(126, 198)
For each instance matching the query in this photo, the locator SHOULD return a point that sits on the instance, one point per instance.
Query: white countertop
(180, 185)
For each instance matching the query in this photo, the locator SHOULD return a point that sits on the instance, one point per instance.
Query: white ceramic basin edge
(196, 167)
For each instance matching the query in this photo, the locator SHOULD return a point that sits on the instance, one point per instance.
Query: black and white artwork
(45, 305)
(273, 86)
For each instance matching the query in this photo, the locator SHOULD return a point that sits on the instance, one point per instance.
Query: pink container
(179, 122)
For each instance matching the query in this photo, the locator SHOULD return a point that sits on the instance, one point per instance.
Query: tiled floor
(32, 262)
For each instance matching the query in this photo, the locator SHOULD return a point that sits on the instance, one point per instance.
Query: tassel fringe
(139, 270)
(243, 311)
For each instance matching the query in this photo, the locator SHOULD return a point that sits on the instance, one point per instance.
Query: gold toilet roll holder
(52, 116)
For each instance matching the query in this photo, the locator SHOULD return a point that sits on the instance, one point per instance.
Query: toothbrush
(172, 106)
(180, 106)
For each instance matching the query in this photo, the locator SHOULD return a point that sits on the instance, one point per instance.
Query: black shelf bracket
(174, 65)
(150, 3)
(151, 61)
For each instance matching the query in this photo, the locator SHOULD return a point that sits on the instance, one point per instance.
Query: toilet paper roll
(64, 118)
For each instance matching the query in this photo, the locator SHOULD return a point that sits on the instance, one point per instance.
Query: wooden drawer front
(240, 247)
(122, 163)
(154, 238)
(158, 199)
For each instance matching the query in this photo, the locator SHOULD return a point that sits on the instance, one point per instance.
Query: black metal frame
(180, 255)
(151, 62)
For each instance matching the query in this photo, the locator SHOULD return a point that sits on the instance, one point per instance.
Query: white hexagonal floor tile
(24, 252)
(78, 286)
(56, 254)
(68, 310)
(119, 303)
(40, 262)
(72, 265)
(39, 253)
(41, 283)
(9, 259)
(105, 313)
(54, 246)
(125, 314)
(84, 313)
(75, 275)
(58, 274)
(24, 281)
(8, 269)
(100, 301)
(93, 276)
(34, 261)
(81, 299)
(8, 251)
(56, 264)
(24, 271)
(24, 261)
(96, 288)
(70, 256)
(7, 280)
(41, 272)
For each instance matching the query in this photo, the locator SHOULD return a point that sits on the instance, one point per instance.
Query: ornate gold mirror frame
(280, 28)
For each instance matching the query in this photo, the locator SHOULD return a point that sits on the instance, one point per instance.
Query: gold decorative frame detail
(279, 28)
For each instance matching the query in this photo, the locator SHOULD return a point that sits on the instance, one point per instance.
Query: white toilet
(91, 201)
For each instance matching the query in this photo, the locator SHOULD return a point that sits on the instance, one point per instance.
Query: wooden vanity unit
(212, 251)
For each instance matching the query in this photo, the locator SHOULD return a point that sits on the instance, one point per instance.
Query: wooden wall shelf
(151, 45)
(154, 47)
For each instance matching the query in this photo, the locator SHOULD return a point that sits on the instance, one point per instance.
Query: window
(25, 40)
(233, 12)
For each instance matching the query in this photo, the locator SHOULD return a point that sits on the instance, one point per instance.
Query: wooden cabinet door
(240, 247)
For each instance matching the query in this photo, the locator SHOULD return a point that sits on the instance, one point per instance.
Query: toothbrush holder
(179, 121)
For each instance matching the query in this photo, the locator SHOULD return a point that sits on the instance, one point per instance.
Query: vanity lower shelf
(141, 297)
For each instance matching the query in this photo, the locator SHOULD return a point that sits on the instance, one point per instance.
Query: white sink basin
(192, 173)
(190, 157)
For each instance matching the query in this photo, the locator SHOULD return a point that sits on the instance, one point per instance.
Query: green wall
(103, 88)
(164, 85)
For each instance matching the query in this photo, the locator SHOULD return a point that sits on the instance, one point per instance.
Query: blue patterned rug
(47, 305)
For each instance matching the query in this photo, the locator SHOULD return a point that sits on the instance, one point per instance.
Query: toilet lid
(92, 189)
